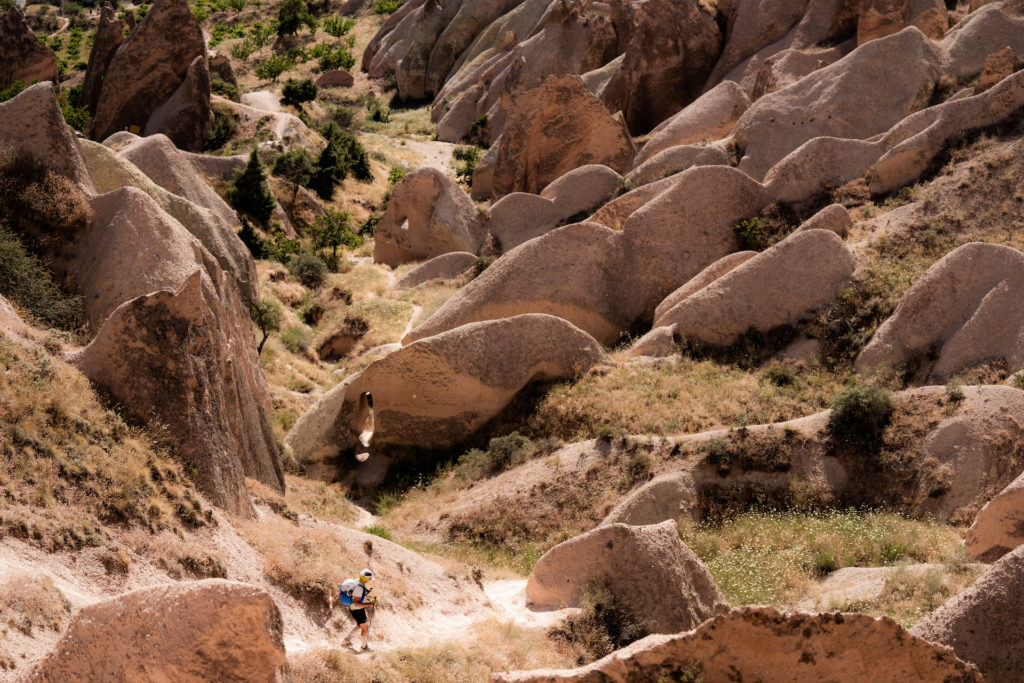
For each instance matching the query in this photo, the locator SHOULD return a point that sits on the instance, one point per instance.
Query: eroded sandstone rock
(999, 527)
(109, 36)
(22, 56)
(443, 267)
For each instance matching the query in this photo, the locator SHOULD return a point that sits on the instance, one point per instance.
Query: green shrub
(74, 115)
(243, 49)
(250, 194)
(338, 26)
(251, 239)
(342, 116)
(272, 67)
(221, 87)
(604, 625)
(267, 316)
(396, 174)
(386, 6)
(342, 155)
(12, 92)
(859, 416)
(480, 264)
(281, 248)
(377, 112)
(295, 91)
(261, 35)
(292, 15)
(222, 130)
(308, 269)
(335, 58)
(502, 453)
(26, 281)
(295, 339)
(379, 530)
(467, 158)
(296, 166)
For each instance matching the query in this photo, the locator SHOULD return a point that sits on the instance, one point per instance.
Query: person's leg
(359, 615)
(365, 628)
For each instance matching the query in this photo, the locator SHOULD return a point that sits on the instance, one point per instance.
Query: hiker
(360, 601)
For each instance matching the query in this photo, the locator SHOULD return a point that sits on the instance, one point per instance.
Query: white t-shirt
(359, 594)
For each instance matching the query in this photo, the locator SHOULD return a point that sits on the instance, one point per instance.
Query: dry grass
(182, 557)
(28, 603)
(70, 468)
(492, 646)
(680, 397)
(772, 558)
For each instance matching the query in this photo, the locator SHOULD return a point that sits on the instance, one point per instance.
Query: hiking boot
(367, 648)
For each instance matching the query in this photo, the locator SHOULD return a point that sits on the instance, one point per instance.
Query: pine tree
(250, 195)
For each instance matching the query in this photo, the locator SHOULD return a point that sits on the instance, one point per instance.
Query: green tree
(250, 194)
(270, 68)
(296, 166)
(292, 15)
(296, 91)
(342, 155)
(332, 231)
(338, 26)
(267, 316)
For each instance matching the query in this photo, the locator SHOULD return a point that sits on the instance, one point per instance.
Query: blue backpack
(345, 591)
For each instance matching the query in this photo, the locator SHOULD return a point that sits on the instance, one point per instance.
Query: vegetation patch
(605, 624)
(28, 603)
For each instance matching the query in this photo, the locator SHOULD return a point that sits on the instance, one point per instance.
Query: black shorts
(359, 615)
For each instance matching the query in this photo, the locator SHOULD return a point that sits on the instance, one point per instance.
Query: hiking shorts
(359, 615)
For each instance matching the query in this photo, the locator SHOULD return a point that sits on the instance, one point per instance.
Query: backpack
(345, 591)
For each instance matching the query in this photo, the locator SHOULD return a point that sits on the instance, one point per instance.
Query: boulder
(999, 527)
(676, 160)
(666, 497)
(604, 281)
(983, 623)
(700, 281)
(671, 47)
(998, 66)
(444, 267)
(186, 117)
(483, 174)
(220, 67)
(969, 44)
(519, 217)
(781, 286)
(32, 123)
(710, 117)
(674, 591)
(553, 129)
(582, 189)
(174, 344)
(149, 68)
(22, 56)
(962, 312)
(660, 342)
(190, 631)
(437, 392)
(109, 36)
(615, 213)
(112, 171)
(428, 215)
(789, 66)
(763, 644)
(457, 123)
(335, 78)
(829, 102)
(833, 217)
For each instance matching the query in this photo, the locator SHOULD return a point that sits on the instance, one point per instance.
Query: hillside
(612, 337)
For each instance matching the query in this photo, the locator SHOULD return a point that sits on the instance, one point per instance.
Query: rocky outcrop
(443, 267)
(762, 644)
(710, 117)
(881, 18)
(676, 160)
(969, 44)
(781, 286)
(22, 56)
(667, 496)
(335, 78)
(670, 49)
(32, 124)
(109, 36)
(998, 66)
(155, 71)
(191, 631)
(961, 313)
(111, 171)
(829, 102)
(428, 215)
(174, 344)
(552, 130)
(582, 189)
(982, 624)
(220, 67)
(437, 392)
(676, 593)
(833, 217)
(603, 280)
(700, 281)
(999, 527)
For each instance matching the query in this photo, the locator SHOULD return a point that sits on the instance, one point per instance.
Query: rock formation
(334, 78)
(443, 267)
(553, 129)
(962, 312)
(155, 71)
(192, 631)
(833, 217)
(666, 497)
(437, 392)
(781, 286)
(762, 644)
(648, 567)
(605, 281)
(109, 36)
(999, 527)
(22, 56)
(676, 160)
(982, 624)
(700, 281)
(428, 215)
(880, 18)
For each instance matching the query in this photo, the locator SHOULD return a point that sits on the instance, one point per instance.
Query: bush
(266, 314)
(250, 193)
(295, 92)
(272, 67)
(335, 58)
(12, 92)
(296, 166)
(243, 49)
(859, 416)
(308, 269)
(25, 281)
(295, 339)
(338, 26)
(251, 239)
(342, 116)
(221, 87)
(386, 6)
(377, 112)
(292, 15)
(467, 158)
(222, 130)
(604, 625)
